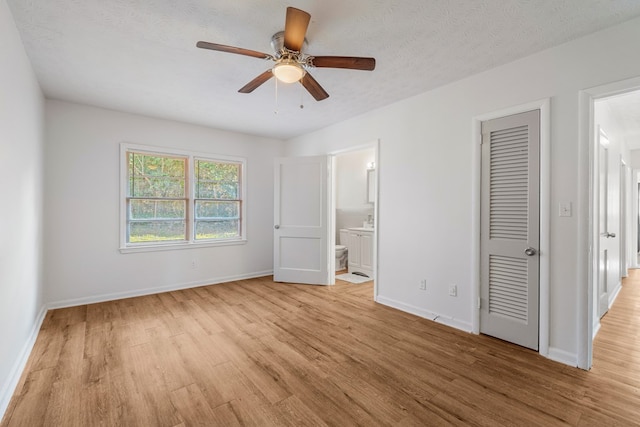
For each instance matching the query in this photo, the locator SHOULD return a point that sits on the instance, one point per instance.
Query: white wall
(351, 179)
(82, 260)
(635, 159)
(21, 136)
(427, 182)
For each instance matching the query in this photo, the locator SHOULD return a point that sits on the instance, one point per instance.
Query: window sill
(180, 246)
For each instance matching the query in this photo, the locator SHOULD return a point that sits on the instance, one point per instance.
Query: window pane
(157, 187)
(157, 231)
(157, 209)
(156, 175)
(217, 190)
(216, 180)
(217, 210)
(217, 229)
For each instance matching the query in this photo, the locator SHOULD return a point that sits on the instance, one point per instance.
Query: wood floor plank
(256, 352)
(33, 400)
(192, 405)
(223, 415)
(63, 394)
(293, 412)
(146, 374)
(267, 384)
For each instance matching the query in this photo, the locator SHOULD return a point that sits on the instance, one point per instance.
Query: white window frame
(191, 242)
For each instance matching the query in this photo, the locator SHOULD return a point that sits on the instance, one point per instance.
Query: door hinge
(478, 303)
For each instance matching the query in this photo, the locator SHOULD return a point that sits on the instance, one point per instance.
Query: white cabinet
(360, 251)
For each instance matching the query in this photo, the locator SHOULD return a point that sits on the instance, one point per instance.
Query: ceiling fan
(291, 63)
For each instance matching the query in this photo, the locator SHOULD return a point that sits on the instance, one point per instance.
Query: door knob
(277, 227)
(611, 234)
(529, 252)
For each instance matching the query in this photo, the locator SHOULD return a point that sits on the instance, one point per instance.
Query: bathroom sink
(360, 229)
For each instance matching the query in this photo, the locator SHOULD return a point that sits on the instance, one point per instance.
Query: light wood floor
(256, 352)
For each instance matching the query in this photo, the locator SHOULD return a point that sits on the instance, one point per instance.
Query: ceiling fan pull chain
(301, 97)
(276, 110)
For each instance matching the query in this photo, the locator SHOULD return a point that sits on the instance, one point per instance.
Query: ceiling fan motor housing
(277, 44)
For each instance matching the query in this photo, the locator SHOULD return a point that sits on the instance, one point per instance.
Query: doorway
(606, 112)
(354, 210)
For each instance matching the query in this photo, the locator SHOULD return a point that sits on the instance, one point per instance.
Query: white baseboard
(9, 387)
(18, 367)
(554, 354)
(613, 295)
(562, 356)
(439, 318)
(596, 328)
(150, 291)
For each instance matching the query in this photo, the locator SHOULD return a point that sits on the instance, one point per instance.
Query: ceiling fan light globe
(288, 71)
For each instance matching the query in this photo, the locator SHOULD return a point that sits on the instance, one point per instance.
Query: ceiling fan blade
(253, 84)
(313, 87)
(350, 62)
(295, 28)
(231, 49)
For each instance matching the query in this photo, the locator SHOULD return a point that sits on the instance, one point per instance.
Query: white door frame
(545, 199)
(624, 196)
(587, 256)
(633, 260)
(332, 208)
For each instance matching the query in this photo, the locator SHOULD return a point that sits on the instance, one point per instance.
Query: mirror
(371, 185)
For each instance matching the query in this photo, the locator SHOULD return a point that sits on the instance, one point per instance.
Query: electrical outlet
(453, 291)
(423, 284)
(194, 264)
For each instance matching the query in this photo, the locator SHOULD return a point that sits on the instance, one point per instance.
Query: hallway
(616, 351)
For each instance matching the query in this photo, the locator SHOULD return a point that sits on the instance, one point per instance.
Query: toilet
(341, 250)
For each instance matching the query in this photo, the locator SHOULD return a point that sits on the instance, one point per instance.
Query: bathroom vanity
(360, 249)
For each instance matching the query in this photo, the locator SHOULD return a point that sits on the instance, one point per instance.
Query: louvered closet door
(510, 228)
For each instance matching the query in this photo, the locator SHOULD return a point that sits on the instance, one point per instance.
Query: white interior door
(300, 235)
(510, 228)
(606, 237)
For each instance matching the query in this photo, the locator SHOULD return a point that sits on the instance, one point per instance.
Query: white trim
(634, 219)
(476, 185)
(376, 209)
(587, 257)
(181, 245)
(9, 387)
(544, 105)
(191, 156)
(596, 328)
(156, 290)
(331, 218)
(563, 356)
(614, 294)
(438, 318)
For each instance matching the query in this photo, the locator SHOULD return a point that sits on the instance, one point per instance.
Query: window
(217, 199)
(173, 198)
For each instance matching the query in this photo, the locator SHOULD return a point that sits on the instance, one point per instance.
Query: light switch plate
(565, 209)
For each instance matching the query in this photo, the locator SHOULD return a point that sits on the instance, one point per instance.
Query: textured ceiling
(139, 55)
